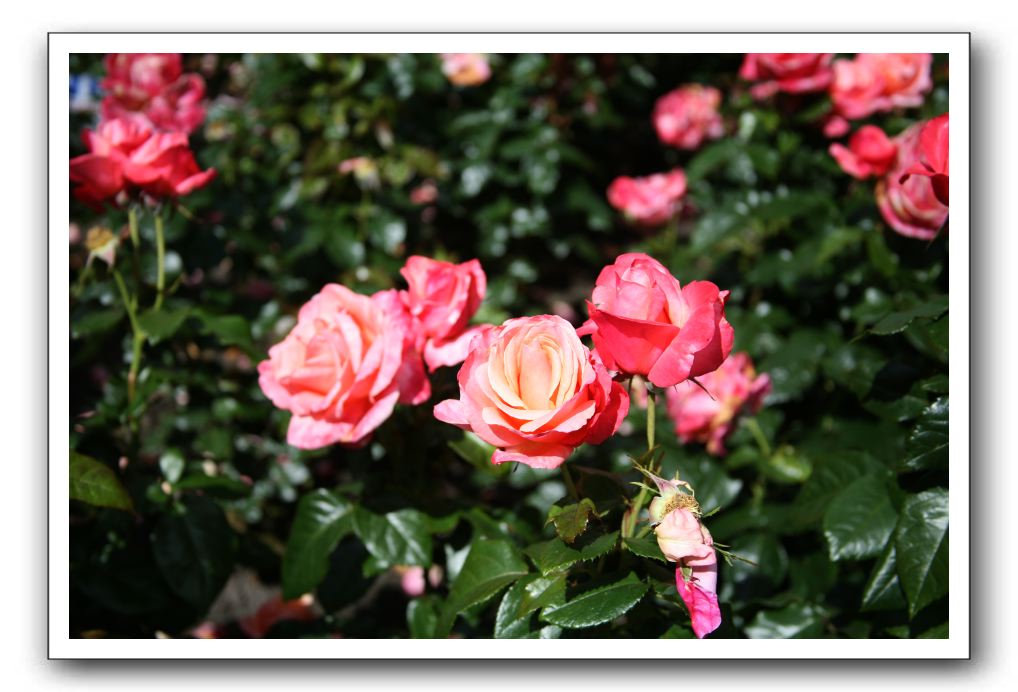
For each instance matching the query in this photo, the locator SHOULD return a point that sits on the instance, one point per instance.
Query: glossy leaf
(322, 519)
(860, 519)
(95, 483)
(597, 606)
(920, 544)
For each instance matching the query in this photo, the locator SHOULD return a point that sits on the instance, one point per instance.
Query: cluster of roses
(140, 146)
(871, 83)
(528, 387)
(858, 88)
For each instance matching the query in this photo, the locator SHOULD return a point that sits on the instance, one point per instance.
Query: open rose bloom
(909, 203)
(126, 156)
(643, 322)
(707, 414)
(343, 367)
(877, 82)
(533, 390)
(793, 73)
(933, 160)
(442, 297)
(649, 201)
(687, 116)
(466, 69)
(869, 152)
(151, 88)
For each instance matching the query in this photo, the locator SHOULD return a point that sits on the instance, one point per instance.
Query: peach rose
(442, 297)
(869, 152)
(708, 415)
(644, 323)
(343, 367)
(909, 204)
(687, 116)
(534, 391)
(794, 73)
(651, 200)
(466, 69)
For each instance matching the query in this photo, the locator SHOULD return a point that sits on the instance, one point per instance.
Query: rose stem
(629, 522)
(138, 335)
(570, 486)
(160, 261)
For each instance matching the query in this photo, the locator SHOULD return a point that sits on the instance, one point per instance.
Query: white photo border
(62, 646)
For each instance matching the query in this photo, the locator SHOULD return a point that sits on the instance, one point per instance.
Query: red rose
(152, 89)
(126, 155)
(869, 152)
(790, 72)
(644, 323)
(687, 116)
(909, 204)
(649, 201)
(933, 156)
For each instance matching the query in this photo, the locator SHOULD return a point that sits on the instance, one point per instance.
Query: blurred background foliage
(836, 490)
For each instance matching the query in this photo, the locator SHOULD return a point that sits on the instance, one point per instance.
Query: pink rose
(465, 69)
(644, 323)
(534, 391)
(442, 297)
(789, 72)
(649, 201)
(152, 89)
(879, 82)
(687, 116)
(869, 152)
(933, 156)
(709, 416)
(127, 156)
(683, 539)
(343, 367)
(909, 204)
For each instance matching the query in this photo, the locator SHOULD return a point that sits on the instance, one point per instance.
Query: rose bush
(254, 449)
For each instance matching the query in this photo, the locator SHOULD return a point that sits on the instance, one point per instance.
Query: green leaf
(322, 519)
(96, 322)
(95, 483)
(477, 452)
(162, 324)
(552, 555)
(422, 617)
(860, 519)
(899, 321)
(216, 486)
(645, 547)
(571, 520)
(831, 475)
(797, 621)
(523, 598)
(921, 547)
(396, 538)
(597, 606)
(883, 590)
(927, 445)
(491, 565)
(194, 549)
(231, 330)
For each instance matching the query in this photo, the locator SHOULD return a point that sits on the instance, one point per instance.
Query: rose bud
(533, 390)
(869, 152)
(465, 69)
(343, 367)
(644, 323)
